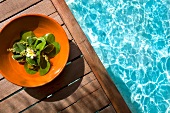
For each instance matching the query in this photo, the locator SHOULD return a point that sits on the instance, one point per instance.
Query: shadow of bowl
(65, 84)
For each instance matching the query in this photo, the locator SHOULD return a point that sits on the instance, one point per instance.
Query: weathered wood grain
(11, 7)
(44, 7)
(7, 88)
(108, 109)
(88, 84)
(67, 32)
(91, 57)
(57, 17)
(89, 104)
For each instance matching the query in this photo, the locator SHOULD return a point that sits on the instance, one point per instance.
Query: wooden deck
(84, 85)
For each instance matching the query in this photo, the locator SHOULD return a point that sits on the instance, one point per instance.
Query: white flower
(30, 53)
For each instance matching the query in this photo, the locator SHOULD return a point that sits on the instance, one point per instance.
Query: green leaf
(38, 54)
(17, 57)
(41, 45)
(44, 66)
(56, 49)
(50, 38)
(21, 60)
(31, 61)
(19, 47)
(31, 40)
(16, 48)
(28, 70)
(26, 34)
(48, 48)
(37, 42)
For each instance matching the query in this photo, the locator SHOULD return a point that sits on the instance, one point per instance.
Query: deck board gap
(103, 108)
(69, 62)
(1, 78)
(50, 95)
(30, 106)
(62, 24)
(20, 11)
(80, 56)
(71, 83)
(52, 13)
(12, 94)
(78, 100)
(70, 40)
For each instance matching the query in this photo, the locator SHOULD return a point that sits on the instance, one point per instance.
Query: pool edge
(91, 57)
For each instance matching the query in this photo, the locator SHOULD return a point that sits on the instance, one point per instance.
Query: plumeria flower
(30, 53)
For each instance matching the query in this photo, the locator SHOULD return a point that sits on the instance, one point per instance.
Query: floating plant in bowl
(35, 52)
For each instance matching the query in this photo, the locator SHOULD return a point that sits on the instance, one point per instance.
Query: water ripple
(131, 37)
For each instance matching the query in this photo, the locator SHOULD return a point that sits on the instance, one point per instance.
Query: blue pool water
(132, 39)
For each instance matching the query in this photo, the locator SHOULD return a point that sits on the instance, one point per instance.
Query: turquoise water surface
(132, 39)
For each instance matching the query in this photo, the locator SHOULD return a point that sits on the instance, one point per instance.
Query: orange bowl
(40, 25)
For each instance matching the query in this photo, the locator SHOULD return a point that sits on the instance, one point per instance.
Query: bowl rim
(64, 63)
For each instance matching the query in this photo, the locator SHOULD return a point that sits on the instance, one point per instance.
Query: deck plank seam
(17, 91)
(58, 14)
(62, 20)
(79, 99)
(21, 11)
(1, 78)
(52, 13)
(103, 108)
(80, 56)
(50, 95)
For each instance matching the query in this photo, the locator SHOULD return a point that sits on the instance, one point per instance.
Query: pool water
(132, 39)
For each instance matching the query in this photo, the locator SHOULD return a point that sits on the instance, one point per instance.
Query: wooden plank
(108, 109)
(57, 17)
(11, 7)
(7, 88)
(91, 57)
(67, 96)
(74, 51)
(67, 32)
(89, 104)
(4, 84)
(29, 96)
(45, 7)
